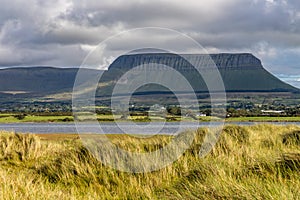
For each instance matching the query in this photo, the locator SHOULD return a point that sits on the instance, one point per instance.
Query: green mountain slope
(240, 73)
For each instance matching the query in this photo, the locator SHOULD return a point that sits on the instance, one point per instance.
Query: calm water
(112, 128)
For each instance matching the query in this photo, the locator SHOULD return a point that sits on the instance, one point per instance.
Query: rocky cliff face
(236, 61)
(222, 61)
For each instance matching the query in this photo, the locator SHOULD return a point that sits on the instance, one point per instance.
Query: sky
(61, 33)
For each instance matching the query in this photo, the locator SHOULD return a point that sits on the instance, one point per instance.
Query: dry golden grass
(254, 162)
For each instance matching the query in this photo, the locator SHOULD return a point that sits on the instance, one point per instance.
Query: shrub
(20, 116)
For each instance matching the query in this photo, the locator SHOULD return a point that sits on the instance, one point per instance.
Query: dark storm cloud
(62, 32)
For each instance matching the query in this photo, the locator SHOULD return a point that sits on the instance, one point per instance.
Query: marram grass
(253, 162)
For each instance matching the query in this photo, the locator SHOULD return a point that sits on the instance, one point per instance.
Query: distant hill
(240, 72)
(37, 81)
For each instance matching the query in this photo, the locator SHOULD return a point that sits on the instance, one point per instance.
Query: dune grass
(253, 162)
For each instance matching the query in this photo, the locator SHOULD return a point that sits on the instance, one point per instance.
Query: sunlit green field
(264, 119)
(32, 118)
(255, 162)
(11, 118)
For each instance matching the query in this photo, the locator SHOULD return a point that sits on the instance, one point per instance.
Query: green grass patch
(263, 119)
(34, 118)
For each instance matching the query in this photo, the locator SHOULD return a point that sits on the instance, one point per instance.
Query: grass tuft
(292, 138)
(21, 147)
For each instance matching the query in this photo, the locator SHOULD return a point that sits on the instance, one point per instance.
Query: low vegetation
(67, 117)
(263, 119)
(253, 162)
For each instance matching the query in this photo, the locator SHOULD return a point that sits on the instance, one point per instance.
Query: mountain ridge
(241, 72)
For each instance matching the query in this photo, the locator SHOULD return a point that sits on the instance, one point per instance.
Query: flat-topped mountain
(222, 61)
(240, 72)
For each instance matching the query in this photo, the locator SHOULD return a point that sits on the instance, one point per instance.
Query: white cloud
(264, 50)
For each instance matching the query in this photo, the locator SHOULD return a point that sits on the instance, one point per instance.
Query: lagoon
(121, 128)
